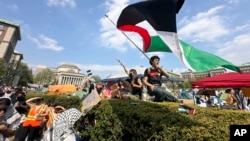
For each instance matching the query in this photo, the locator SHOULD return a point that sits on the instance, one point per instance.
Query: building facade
(70, 74)
(192, 76)
(245, 68)
(15, 62)
(9, 36)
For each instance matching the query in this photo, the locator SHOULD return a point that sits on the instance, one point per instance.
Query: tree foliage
(46, 76)
(2, 68)
(187, 85)
(96, 78)
(25, 74)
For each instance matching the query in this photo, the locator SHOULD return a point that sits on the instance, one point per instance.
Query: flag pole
(128, 38)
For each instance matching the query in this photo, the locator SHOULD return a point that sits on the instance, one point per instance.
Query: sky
(54, 32)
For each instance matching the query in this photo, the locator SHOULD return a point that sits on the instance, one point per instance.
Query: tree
(96, 77)
(25, 74)
(2, 70)
(46, 76)
(187, 85)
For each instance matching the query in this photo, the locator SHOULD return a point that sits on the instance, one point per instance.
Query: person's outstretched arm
(30, 101)
(125, 69)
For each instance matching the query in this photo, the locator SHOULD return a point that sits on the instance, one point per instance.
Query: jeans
(162, 95)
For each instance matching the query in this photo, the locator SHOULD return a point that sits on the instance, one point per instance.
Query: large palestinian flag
(155, 21)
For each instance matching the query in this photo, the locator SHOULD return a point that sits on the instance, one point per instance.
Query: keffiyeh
(12, 118)
(62, 127)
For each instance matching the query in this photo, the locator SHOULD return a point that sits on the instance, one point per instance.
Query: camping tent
(232, 79)
(62, 89)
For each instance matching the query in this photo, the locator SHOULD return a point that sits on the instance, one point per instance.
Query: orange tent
(54, 88)
(68, 88)
(79, 87)
(62, 89)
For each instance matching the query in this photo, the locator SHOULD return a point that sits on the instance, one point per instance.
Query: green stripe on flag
(203, 61)
(158, 45)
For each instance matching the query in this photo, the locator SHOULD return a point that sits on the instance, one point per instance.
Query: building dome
(68, 66)
(71, 68)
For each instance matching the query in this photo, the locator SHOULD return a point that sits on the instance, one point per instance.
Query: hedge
(116, 120)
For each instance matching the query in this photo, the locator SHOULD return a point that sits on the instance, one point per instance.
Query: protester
(9, 119)
(53, 111)
(91, 84)
(8, 92)
(62, 128)
(123, 91)
(240, 99)
(152, 79)
(21, 105)
(31, 125)
(227, 97)
(107, 92)
(91, 88)
(115, 92)
(99, 87)
(134, 80)
(2, 94)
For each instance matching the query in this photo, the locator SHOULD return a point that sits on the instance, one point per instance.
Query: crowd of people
(148, 87)
(231, 98)
(27, 120)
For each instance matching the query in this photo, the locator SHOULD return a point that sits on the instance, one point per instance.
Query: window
(13, 41)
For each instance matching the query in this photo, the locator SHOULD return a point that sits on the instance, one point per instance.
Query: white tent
(32, 85)
(123, 76)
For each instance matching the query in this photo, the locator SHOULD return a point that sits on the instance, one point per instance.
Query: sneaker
(192, 111)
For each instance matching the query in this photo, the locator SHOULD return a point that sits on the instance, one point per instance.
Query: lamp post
(89, 73)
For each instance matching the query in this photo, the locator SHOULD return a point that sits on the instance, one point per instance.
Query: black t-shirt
(22, 110)
(91, 88)
(13, 98)
(135, 90)
(154, 76)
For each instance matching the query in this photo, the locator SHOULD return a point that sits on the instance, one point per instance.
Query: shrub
(140, 121)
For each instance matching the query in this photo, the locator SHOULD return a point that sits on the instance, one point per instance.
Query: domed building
(70, 74)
